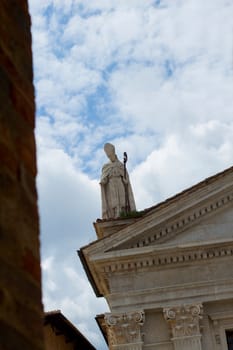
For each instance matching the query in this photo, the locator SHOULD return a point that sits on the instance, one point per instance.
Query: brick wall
(20, 279)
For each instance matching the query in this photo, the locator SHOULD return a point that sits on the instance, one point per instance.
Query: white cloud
(67, 197)
(183, 160)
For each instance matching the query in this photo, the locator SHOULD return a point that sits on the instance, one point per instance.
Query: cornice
(153, 258)
(161, 257)
(174, 257)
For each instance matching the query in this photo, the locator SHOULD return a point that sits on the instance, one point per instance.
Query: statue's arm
(103, 180)
(104, 176)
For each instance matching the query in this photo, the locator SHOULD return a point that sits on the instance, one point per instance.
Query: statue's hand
(125, 181)
(104, 180)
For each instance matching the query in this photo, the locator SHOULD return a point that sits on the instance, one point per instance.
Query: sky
(155, 78)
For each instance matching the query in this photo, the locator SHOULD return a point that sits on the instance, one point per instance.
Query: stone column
(185, 327)
(124, 330)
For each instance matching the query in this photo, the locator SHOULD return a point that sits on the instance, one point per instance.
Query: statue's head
(110, 151)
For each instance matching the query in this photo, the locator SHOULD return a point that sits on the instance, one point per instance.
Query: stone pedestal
(185, 328)
(124, 330)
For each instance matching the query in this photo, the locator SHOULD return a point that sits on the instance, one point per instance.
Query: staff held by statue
(127, 205)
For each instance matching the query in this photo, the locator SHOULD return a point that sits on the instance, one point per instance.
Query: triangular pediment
(214, 227)
(201, 213)
(198, 225)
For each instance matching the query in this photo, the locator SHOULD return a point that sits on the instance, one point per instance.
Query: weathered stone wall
(20, 276)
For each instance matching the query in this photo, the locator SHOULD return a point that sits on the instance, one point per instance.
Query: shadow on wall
(21, 313)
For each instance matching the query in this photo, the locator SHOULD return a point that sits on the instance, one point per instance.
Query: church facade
(168, 275)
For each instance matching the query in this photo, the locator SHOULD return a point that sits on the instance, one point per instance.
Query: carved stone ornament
(184, 320)
(124, 329)
(184, 323)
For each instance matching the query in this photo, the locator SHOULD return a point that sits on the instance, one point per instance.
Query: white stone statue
(116, 192)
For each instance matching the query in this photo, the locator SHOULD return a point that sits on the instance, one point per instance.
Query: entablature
(148, 257)
(110, 265)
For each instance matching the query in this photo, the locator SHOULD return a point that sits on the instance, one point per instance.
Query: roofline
(97, 318)
(167, 201)
(164, 203)
(188, 190)
(57, 314)
(88, 272)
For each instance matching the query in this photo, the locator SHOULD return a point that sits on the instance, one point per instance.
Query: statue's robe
(116, 191)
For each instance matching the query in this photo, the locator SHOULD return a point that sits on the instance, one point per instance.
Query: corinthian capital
(124, 328)
(184, 320)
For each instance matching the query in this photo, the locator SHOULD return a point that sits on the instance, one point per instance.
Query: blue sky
(155, 78)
